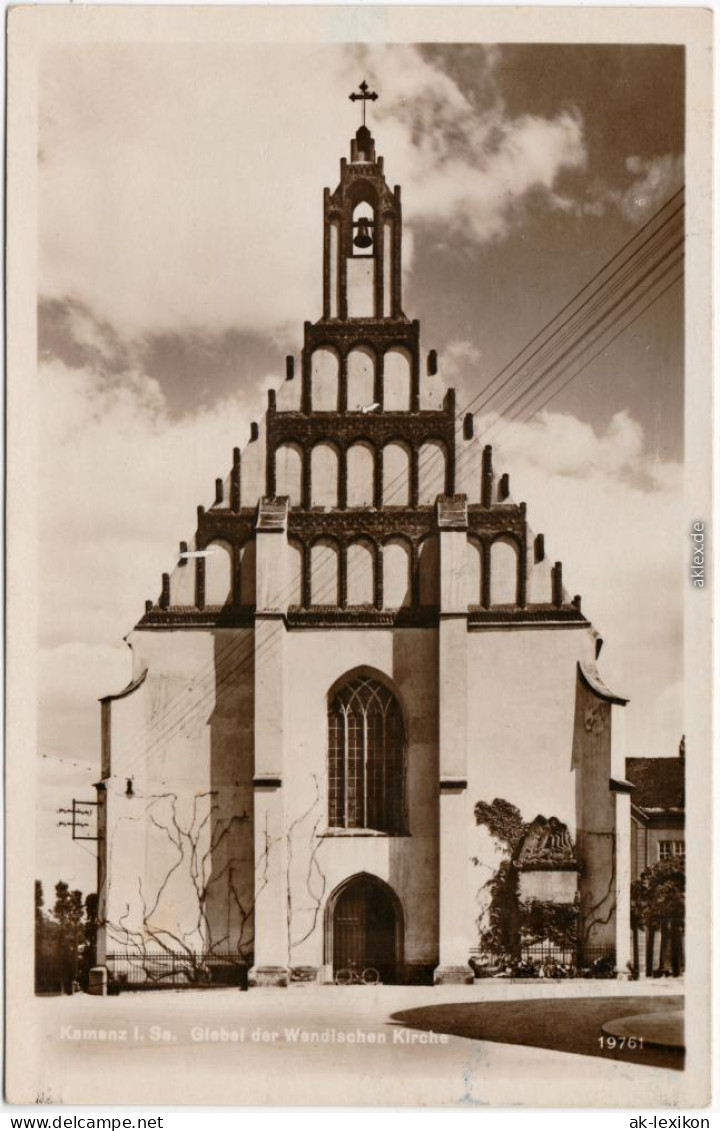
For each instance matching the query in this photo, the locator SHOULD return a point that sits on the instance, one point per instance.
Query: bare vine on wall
(147, 928)
(315, 879)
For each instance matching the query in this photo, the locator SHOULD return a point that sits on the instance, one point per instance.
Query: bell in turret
(363, 238)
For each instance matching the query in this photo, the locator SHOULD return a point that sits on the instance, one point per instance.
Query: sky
(180, 252)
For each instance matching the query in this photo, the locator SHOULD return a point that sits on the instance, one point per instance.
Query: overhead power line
(213, 679)
(589, 284)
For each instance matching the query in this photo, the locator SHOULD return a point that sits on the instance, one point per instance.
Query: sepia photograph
(359, 464)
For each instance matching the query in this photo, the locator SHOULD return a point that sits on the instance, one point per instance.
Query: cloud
(192, 367)
(456, 356)
(58, 856)
(612, 513)
(123, 478)
(654, 181)
(180, 186)
(464, 162)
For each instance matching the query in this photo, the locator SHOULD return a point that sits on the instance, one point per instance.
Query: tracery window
(366, 757)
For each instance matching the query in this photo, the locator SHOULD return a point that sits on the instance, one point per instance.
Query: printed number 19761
(620, 1042)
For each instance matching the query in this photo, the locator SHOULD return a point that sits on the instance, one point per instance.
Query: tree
(504, 822)
(658, 905)
(68, 913)
(64, 939)
(39, 902)
(512, 921)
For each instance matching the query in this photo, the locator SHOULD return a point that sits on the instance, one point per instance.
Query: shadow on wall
(230, 888)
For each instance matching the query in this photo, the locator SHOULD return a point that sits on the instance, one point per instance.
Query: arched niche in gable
(295, 560)
(360, 475)
(397, 577)
(396, 475)
(247, 573)
(360, 378)
(218, 574)
(324, 470)
(325, 380)
(397, 383)
(361, 573)
(288, 473)
(504, 560)
(432, 463)
(429, 571)
(324, 573)
(474, 566)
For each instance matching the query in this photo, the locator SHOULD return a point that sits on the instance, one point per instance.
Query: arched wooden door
(367, 929)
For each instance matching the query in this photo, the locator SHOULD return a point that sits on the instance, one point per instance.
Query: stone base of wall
(97, 981)
(417, 974)
(268, 976)
(304, 973)
(453, 975)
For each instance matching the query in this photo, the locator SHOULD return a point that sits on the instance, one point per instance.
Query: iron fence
(546, 959)
(53, 977)
(154, 970)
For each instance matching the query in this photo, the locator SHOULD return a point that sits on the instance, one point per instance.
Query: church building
(362, 640)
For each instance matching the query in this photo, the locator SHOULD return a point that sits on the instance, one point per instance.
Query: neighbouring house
(658, 837)
(657, 809)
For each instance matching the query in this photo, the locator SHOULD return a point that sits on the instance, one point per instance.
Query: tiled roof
(659, 782)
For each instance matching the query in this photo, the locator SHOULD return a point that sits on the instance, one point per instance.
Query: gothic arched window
(366, 758)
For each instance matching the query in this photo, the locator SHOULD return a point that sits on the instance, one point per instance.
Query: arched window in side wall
(360, 574)
(288, 473)
(503, 573)
(324, 573)
(218, 574)
(396, 380)
(397, 587)
(324, 476)
(366, 758)
(324, 380)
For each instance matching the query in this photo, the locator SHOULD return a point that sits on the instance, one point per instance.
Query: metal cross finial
(367, 95)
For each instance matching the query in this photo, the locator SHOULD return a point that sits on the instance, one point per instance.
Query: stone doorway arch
(364, 924)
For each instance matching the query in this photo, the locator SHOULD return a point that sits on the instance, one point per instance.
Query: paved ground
(320, 1045)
